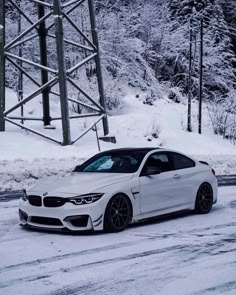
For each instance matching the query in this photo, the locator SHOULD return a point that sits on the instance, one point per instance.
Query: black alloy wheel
(118, 213)
(204, 200)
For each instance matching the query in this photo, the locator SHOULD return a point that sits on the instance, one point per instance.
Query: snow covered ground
(24, 157)
(188, 255)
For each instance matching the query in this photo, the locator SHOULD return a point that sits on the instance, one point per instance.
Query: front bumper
(69, 216)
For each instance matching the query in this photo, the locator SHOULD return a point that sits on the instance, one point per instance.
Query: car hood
(79, 183)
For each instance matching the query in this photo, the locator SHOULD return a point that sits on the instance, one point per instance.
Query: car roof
(144, 149)
(130, 149)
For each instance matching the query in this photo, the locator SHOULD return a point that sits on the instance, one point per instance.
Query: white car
(118, 187)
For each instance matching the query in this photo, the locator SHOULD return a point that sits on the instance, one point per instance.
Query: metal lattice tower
(51, 16)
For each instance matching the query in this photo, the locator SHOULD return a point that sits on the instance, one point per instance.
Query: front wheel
(204, 200)
(118, 213)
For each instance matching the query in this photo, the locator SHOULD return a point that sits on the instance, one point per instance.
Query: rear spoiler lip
(204, 163)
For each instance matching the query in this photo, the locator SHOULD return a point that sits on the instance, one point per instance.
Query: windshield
(113, 162)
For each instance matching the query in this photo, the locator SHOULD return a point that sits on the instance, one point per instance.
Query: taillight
(213, 171)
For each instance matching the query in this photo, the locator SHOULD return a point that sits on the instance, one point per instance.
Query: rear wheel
(204, 200)
(118, 214)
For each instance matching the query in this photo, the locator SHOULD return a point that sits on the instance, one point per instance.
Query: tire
(117, 214)
(204, 199)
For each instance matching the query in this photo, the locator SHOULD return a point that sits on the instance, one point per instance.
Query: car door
(157, 191)
(185, 172)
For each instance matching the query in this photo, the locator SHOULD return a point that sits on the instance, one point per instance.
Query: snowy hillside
(145, 45)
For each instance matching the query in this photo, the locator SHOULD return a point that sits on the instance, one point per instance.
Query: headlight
(85, 199)
(24, 196)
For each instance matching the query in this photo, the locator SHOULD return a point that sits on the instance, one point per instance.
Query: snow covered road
(192, 255)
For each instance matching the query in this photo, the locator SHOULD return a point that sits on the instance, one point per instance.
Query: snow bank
(19, 174)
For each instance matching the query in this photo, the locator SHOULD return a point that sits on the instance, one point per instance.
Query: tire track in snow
(195, 251)
(48, 274)
(68, 255)
(100, 286)
(201, 231)
(229, 286)
(112, 247)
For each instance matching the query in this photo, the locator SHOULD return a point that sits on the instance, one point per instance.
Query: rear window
(182, 162)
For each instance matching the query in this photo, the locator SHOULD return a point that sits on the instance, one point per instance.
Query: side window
(159, 160)
(181, 162)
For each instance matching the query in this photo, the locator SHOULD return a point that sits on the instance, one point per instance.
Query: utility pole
(189, 127)
(43, 61)
(200, 79)
(2, 64)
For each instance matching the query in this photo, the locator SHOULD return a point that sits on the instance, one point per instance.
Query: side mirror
(151, 170)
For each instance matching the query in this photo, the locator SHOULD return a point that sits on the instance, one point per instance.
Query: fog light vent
(78, 221)
(23, 216)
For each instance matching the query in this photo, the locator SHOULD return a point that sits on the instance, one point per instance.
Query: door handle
(176, 176)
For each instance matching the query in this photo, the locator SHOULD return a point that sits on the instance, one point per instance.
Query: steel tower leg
(2, 65)
(62, 72)
(43, 60)
(98, 64)
(20, 74)
(200, 80)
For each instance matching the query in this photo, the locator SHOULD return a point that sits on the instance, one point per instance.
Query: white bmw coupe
(118, 187)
